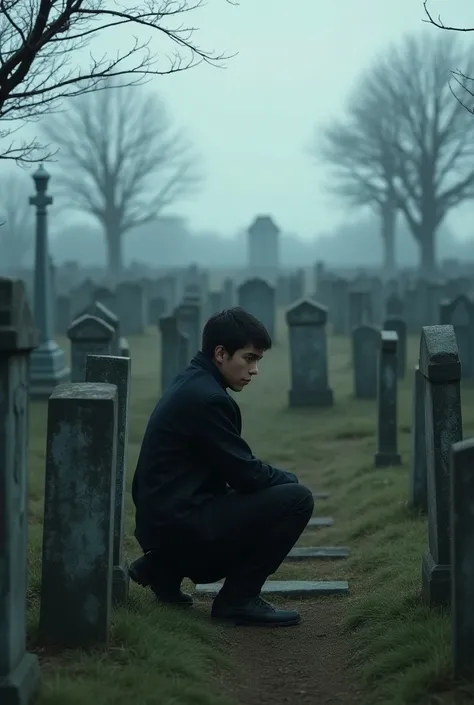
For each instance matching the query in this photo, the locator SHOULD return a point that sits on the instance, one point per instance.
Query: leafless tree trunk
(16, 219)
(40, 52)
(120, 161)
(362, 162)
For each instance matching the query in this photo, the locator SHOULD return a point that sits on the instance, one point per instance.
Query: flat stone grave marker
(308, 552)
(320, 522)
(289, 588)
(321, 495)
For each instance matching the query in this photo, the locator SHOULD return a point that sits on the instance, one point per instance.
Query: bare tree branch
(16, 218)
(40, 50)
(440, 24)
(121, 161)
(431, 143)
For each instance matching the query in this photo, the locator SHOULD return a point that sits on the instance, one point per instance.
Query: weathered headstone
(397, 324)
(263, 247)
(188, 317)
(132, 308)
(89, 335)
(418, 479)
(360, 307)
(462, 552)
(258, 298)
(47, 363)
(394, 305)
(365, 352)
(100, 310)
(387, 431)
(308, 354)
(124, 347)
(460, 314)
(116, 370)
(174, 350)
(440, 366)
(108, 298)
(19, 670)
(76, 582)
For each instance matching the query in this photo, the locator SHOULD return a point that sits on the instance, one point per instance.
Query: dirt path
(300, 665)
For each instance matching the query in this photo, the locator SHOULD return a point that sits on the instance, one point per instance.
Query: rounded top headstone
(306, 313)
(263, 224)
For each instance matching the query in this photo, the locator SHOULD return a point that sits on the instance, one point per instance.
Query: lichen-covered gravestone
(387, 431)
(418, 481)
(365, 351)
(308, 355)
(79, 504)
(397, 324)
(257, 297)
(116, 370)
(440, 366)
(360, 307)
(174, 350)
(19, 670)
(462, 551)
(89, 335)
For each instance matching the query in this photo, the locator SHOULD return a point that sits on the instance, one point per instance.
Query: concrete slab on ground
(320, 521)
(308, 552)
(289, 588)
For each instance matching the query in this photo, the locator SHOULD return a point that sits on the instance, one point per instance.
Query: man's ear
(220, 353)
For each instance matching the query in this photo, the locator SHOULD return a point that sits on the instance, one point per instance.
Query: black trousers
(240, 537)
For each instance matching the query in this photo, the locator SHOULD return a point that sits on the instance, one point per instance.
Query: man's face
(239, 369)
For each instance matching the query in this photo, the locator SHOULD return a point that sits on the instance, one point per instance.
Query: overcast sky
(252, 122)
(296, 63)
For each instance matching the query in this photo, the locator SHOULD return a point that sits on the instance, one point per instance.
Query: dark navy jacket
(192, 452)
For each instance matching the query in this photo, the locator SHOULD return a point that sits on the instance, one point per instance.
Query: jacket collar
(200, 360)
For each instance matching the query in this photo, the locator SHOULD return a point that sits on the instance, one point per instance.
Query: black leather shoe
(253, 612)
(144, 572)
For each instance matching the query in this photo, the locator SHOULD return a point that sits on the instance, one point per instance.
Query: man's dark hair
(234, 329)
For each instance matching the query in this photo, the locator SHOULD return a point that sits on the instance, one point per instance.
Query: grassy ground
(160, 655)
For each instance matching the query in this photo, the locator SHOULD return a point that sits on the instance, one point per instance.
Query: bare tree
(363, 168)
(431, 142)
(16, 218)
(120, 161)
(40, 51)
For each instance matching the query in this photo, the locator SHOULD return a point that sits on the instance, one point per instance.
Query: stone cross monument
(47, 361)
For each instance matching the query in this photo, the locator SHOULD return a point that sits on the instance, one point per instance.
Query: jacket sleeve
(231, 456)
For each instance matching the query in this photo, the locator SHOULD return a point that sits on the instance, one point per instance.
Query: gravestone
(107, 298)
(63, 314)
(400, 327)
(306, 321)
(157, 306)
(132, 308)
(188, 317)
(460, 314)
(263, 247)
(100, 310)
(394, 306)
(124, 347)
(76, 580)
(340, 301)
(418, 480)
(440, 366)
(174, 350)
(89, 335)
(228, 294)
(47, 362)
(387, 431)
(258, 298)
(214, 303)
(462, 551)
(360, 307)
(365, 353)
(19, 670)
(116, 370)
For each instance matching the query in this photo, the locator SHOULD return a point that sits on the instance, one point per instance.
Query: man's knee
(298, 495)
